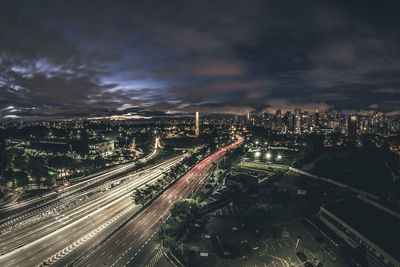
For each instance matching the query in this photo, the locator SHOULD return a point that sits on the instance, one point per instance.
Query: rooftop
(375, 224)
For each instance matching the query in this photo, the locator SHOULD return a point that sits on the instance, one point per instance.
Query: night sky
(92, 58)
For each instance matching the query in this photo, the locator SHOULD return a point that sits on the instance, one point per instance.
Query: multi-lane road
(62, 230)
(92, 213)
(124, 247)
(41, 208)
(77, 184)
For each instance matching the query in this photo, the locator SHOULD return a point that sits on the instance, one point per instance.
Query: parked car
(301, 256)
(317, 262)
(308, 264)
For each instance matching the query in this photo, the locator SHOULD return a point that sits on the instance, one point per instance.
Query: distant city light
(279, 157)
(268, 155)
(257, 154)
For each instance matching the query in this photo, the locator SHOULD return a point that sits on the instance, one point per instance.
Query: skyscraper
(297, 117)
(278, 120)
(317, 120)
(197, 124)
(352, 126)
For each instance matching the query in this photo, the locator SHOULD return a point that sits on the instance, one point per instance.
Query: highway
(36, 207)
(124, 246)
(77, 184)
(96, 214)
(29, 229)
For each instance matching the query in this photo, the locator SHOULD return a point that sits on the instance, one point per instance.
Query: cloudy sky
(87, 58)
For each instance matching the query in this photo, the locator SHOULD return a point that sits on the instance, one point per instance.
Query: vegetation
(230, 157)
(16, 167)
(146, 193)
(19, 168)
(186, 214)
(183, 217)
(362, 168)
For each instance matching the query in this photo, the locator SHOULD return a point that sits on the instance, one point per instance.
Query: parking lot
(282, 251)
(268, 228)
(297, 236)
(234, 210)
(279, 251)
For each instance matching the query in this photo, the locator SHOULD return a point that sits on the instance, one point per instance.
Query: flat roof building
(368, 227)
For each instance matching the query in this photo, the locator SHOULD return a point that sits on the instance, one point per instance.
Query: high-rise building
(346, 124)
(317, 120)
(197, 124)
(352, 125)
(278, 121)
(291, 122)
(297, 118)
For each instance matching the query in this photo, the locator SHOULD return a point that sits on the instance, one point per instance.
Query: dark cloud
(97, 57)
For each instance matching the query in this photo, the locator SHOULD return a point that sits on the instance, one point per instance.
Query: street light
(257, 154)
(279, 157)
(268, 155)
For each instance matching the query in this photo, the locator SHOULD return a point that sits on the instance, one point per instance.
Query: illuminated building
(197, 124)
(297, 118)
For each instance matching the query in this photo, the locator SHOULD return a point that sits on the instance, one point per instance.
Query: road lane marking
(284, 240)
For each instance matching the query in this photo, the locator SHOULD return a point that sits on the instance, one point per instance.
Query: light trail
(136, 233)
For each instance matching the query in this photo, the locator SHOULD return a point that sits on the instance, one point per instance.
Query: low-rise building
(101, 148)
(368, 227)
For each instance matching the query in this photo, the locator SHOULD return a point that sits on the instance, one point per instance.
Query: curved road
(122, 248)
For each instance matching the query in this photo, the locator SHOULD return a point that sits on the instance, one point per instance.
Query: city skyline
(153, 58)
(199, 133)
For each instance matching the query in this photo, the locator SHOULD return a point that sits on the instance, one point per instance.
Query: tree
(38, 169)
(21, 178)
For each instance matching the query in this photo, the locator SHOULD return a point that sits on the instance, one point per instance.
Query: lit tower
(197, 124)
(297, 117)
